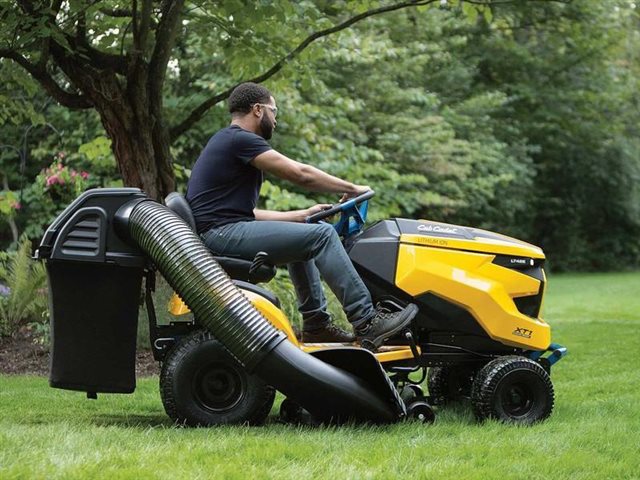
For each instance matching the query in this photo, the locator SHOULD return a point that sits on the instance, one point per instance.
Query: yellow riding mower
(477, 331)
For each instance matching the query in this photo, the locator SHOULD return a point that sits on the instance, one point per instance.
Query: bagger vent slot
(83, 237)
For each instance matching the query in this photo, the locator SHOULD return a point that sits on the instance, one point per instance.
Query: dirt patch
(20, 355)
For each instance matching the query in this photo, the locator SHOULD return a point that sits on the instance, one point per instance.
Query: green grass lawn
(594, 431)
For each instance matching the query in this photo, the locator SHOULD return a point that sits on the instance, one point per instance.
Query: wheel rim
(218, 387)
(519, 394)
(517, 400)
(421, 412)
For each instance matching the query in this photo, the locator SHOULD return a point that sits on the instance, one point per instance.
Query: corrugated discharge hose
(189, 267)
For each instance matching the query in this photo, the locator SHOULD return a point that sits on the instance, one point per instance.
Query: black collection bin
(95, 281)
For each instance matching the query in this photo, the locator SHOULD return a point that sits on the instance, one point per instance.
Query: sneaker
(329, 334)
(385, 325)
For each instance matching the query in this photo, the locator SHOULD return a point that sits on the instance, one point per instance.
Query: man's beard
(266, 127)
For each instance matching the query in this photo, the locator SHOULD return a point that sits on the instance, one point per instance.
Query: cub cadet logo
(436, 229)
(522, 332)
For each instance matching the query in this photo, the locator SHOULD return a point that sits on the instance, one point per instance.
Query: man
(223, 192)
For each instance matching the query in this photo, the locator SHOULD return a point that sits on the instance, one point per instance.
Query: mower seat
(257, 270)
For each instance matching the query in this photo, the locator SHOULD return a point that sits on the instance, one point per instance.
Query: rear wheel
(201, 384)
(450, 383)
(512, 389)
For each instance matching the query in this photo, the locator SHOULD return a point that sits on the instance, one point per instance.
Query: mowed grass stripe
(593, 432)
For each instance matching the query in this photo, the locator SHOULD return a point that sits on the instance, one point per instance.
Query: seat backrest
(179, 205)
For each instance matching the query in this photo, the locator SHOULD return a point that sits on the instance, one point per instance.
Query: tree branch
(165, 38)
(201, 109)
(100, 59)
(44, 49)
(145, 24)
(137, 74)
(134, 27)
(116, 12)
(81, 30)
(490, 3)
(65, 98)
(27, 6)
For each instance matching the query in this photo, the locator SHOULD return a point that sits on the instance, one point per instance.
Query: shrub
(23, 296)
(53, 189)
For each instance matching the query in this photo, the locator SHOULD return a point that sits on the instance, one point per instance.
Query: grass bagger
(476, 331)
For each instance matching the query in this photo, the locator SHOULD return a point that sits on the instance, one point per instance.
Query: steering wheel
(353, 214)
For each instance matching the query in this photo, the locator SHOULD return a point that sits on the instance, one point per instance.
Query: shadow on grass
(458, 412)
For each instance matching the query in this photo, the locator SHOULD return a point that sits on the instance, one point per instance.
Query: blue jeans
(310, 251)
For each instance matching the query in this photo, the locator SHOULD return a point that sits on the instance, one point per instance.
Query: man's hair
(245, 95)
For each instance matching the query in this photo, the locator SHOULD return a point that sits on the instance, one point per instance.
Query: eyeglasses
(273, 109)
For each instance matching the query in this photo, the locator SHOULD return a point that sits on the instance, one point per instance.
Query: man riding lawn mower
(477, 330)
(463, 302)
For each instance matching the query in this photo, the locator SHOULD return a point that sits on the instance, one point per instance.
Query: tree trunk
(141, 149)
(139, 136)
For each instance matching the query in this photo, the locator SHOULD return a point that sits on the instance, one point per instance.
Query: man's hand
(313, 210)
(358, 190)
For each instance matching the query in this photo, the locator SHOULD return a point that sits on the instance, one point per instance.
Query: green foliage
(9, 203)
(520, 117)
(53, 189)
(41, 329)
(282, 287)
(23, 295)
(98, 153)
(374, 113)
(572, 72)
(16, 91)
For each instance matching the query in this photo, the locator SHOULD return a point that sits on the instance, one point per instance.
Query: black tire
(449, 384)
(512, 389)
(421, 411)
(201, 384)
(411, 392)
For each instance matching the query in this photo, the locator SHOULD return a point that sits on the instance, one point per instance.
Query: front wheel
(201, 384)
(512, 389)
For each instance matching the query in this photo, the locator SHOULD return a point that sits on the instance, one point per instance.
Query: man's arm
(306, 176)
(291, 216)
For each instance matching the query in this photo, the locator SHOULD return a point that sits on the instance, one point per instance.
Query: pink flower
(84, 175)
(17, 205)
(52, 180)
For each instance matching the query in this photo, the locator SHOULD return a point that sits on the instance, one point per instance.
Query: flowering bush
(62, 182)
(53, 189)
